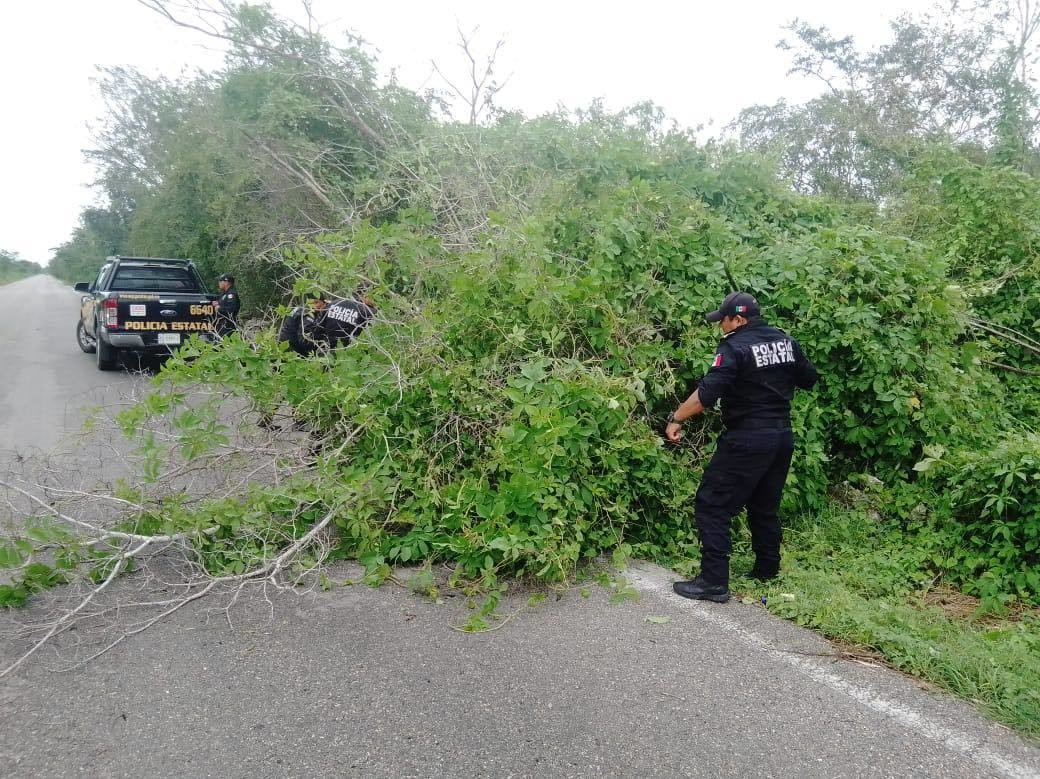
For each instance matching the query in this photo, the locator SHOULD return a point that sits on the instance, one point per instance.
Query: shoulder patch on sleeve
(717, 362)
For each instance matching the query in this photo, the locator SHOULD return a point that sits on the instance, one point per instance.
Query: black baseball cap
(226, 277)
(736, 303)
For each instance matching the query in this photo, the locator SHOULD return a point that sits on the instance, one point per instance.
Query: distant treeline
(13, 268)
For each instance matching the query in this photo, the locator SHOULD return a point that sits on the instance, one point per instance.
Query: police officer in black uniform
(225, 320)
(344, 319)
(302, 327)
(754, 374)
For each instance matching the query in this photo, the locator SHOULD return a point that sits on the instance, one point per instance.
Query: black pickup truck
(146, 305)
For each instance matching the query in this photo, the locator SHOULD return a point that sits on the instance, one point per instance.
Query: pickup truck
(147, 305)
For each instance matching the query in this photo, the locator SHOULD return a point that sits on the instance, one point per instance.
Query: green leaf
(10, 557)
(925, 465)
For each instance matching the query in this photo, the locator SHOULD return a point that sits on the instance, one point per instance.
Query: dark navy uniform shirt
(300, 329)
(755, 372)
(343, 320)
(228, 305)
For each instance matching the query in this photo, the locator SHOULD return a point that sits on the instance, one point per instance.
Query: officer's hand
(673, 432)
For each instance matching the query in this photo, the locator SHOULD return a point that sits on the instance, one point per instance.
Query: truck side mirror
(82, 286)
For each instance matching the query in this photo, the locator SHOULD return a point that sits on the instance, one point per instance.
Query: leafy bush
(876, 314)
(991, 545)
(985, 221)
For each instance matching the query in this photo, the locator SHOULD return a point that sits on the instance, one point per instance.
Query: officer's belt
(759, 424)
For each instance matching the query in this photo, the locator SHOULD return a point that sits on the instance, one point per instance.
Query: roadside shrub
(990, 544)
(984, 219)
(877, 316)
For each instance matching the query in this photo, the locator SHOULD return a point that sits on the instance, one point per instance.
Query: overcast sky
(701, 60)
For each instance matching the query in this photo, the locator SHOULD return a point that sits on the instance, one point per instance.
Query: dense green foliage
(993, 496)
(210, 168)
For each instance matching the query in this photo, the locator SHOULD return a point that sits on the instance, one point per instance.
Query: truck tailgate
(163, 319)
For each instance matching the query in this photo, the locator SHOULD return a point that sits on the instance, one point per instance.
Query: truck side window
(101, 274)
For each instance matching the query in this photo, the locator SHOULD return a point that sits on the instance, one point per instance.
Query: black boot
(763, 572)
(698, 589)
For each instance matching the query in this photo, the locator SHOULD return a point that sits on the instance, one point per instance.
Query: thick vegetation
(541, 286)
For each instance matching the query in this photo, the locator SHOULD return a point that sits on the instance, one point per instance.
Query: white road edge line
(659, 582)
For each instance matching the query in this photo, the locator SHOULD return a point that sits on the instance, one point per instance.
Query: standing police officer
(225, 320)
(755, 372)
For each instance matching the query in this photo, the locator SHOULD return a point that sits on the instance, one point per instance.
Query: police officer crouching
(302, 327)
(344, 319)
(225, 320)
(301, 330)
(754, 374)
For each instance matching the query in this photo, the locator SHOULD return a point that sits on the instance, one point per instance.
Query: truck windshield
(154, 278)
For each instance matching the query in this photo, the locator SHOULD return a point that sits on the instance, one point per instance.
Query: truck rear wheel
(107, 356)
(86, 343)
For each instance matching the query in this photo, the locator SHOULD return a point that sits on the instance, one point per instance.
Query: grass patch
(856, 578)
(7, 279)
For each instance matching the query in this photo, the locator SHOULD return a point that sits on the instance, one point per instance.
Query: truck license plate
(170, 339)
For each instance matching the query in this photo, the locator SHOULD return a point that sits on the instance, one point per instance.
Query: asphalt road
(45, 380)
(375, 682)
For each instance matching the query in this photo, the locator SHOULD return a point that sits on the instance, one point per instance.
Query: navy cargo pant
(749, 469)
